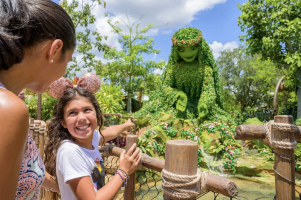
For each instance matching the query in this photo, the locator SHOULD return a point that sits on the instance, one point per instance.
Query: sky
(217, 19)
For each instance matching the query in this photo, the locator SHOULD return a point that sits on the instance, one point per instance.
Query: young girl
(72, 154)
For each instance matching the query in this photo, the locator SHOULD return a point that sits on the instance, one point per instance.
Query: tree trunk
(140, 96)
(129, 103)
(299, 103)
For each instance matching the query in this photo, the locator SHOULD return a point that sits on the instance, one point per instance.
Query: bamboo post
(39, 107)
(181, 158)
(31, 127)
(42, 141)
(285, 190)
(129, 193)
(37, 133)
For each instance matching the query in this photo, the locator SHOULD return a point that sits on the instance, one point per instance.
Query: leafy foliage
(110, 98)
(231, 153)
(86, 38)
(247, 81)
(273, 30)
(47, 107)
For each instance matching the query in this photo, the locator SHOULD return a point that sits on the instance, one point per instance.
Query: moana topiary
(191, 87)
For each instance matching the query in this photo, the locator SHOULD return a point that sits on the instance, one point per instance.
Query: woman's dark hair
(24, 23)
(56, 133)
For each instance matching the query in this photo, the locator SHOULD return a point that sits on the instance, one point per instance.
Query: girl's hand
(129, 124)
(129, 161)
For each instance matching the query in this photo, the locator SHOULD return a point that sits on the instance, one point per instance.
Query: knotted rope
(104, 150)
(270, 139)
(172, 184)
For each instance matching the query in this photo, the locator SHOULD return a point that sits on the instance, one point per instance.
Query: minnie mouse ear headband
(89, 82)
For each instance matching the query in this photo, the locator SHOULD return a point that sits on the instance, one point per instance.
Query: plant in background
(147, 144)
(217, 148)
(169, 131)
(47, 107)
(127, 66)
(86, 39)
(110, 98)
(230, 153)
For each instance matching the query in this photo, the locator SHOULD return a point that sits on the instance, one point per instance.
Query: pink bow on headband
(89, 82)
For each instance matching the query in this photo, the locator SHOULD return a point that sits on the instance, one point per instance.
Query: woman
(37, 40)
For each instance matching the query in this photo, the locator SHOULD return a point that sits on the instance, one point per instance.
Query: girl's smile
(80, 120)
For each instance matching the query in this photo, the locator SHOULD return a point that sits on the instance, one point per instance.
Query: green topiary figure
(190, 81)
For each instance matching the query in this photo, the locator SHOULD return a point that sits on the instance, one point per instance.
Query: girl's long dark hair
(56, 133)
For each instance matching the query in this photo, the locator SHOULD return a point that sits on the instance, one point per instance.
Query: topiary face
(185, 45)
(188, 53)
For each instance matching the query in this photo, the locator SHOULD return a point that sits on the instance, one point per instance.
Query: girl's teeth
(83, 127)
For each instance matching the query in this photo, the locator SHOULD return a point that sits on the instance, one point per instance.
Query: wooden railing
(214, 183)
(284, 165)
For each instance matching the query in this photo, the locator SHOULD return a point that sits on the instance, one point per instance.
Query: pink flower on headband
(89, 82)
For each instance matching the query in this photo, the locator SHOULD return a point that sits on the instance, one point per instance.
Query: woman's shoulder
(12, 103)
(13, 111)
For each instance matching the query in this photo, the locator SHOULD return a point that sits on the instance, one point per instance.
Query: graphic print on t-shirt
(98, 175)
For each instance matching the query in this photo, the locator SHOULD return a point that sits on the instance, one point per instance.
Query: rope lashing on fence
(270, 139)
(172, 184)
(140, 166)
(42, 130)
(105, 150)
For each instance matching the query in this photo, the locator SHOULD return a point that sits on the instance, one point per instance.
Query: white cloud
(158, 71)
(217, 47)
(155, 55)
(166, 32)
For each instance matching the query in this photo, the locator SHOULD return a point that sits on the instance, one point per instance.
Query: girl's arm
(83, 188)
(13, 134)
(112, 132)
(50, 183)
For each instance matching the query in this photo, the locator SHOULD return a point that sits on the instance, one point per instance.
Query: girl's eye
(71, 113)
(88, 109)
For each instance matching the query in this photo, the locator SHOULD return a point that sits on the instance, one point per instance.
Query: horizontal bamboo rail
(214, 183)
(256, 132)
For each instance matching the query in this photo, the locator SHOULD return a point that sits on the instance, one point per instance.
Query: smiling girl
(72, 154)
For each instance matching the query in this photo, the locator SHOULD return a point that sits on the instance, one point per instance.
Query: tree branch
(282, 65)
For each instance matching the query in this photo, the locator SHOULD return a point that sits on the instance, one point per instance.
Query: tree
(87, 39)
(127, 67)
(273, 29)
(247, 81)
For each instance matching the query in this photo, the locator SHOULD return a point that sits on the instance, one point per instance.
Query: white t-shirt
(73, 162)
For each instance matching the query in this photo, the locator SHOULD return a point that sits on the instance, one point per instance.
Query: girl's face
(188, 53)
(80, 119)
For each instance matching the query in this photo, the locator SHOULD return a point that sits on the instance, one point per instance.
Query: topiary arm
(208, 95)
(171, 94)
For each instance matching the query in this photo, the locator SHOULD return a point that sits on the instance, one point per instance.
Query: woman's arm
(83, 188)
(13, 134)
(112, 132)
(50, 183)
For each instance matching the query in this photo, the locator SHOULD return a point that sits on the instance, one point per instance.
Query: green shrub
(254, 121)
